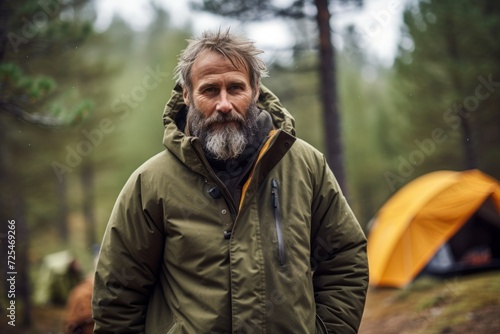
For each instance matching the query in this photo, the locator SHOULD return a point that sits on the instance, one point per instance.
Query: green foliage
(448, 50)
(33, 88)
(10, 73)
(38, 35)
(253, 10)
(78, 113)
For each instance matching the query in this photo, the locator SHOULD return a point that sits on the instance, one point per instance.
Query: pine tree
(449, 76)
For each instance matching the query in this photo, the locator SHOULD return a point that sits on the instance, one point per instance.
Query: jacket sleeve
(338, 258)
(129, 261)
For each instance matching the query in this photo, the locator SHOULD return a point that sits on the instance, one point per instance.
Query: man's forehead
(209, 61)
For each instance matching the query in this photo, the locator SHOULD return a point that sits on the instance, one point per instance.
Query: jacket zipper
(277, 222)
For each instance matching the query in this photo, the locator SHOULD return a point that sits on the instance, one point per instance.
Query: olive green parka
(179, 256)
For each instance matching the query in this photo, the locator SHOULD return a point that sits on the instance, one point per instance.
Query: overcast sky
(379, 23)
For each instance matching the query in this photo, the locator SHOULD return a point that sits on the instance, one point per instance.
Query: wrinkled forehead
(209, 59)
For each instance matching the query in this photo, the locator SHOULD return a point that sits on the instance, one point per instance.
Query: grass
(432, 305)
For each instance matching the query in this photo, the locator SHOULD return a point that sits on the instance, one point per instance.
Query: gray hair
(239, 50)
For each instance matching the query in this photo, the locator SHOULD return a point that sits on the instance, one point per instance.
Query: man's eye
(235, 88)
(210, 90)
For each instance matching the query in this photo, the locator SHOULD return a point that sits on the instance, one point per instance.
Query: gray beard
(224, 141)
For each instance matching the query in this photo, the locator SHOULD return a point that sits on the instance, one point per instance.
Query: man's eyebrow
(237, 82)
(208, 84)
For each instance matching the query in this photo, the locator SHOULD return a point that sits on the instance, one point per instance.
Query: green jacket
(178, 256)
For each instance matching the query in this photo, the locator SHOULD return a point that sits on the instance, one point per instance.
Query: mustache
(220, 117)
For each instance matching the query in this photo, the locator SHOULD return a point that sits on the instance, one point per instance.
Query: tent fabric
(416, 221)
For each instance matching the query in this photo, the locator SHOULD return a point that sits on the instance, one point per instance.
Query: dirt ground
(463, 305)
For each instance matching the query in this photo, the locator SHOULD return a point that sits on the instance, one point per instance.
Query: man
(238, 226)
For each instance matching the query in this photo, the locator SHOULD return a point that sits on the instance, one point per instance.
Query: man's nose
(223, 104)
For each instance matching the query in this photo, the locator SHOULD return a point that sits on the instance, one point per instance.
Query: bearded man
(237, 226)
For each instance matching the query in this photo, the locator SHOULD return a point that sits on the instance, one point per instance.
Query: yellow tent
(415, 222)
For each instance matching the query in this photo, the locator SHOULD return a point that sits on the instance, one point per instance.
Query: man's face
(222, 110)
(219, 86)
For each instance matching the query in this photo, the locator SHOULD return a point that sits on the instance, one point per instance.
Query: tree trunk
(329, 97)
(468, 143)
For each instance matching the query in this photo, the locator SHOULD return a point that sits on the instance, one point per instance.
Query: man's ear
(185, 95)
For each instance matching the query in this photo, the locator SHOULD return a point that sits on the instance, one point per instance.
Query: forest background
(80, 109)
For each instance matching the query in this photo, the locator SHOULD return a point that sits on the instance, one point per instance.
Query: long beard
(224, 135)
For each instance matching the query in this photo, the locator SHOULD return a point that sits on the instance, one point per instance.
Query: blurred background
(388, 90)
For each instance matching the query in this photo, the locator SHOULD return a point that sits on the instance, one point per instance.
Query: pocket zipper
(277, 222)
